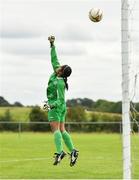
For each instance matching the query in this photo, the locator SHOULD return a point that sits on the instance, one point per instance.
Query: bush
(76, 114)
(79, 115)
(37, 115)
(105, 117)
(7, 122)
(135, 121)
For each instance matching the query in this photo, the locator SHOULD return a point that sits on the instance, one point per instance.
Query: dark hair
(66, 72)
(66, 84)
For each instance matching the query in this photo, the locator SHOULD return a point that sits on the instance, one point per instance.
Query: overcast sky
(91, 49)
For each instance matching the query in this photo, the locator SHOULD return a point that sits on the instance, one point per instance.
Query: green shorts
(57, 114)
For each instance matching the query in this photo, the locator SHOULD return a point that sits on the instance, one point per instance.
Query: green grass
(17, 113)
(100, 157)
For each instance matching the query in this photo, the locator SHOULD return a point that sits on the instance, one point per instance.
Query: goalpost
(125, 90)
(130, 72)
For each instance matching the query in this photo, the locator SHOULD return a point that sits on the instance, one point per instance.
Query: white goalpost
(125, 89)
(130, 80)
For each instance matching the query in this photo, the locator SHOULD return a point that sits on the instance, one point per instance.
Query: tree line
(89, 104)
(76, 115)
(5, 103)
(100, 105)
(78, 111)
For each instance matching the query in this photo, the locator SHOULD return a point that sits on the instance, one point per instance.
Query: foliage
(7, 121)
(107, 106)
(79, 110)
(79, 114)
(5, 103)
(100, 105)
(76, 114)
(107, 122)
(117, 107)
(17, 104)
(37, 115)
(85, 102)
(18, 113)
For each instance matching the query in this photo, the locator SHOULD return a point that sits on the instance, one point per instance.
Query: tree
(117, 107)
(18, 104)
(7, 121)
(76, 114)
(37, 115)
(85, 102)
(4, 102)
(107, 106)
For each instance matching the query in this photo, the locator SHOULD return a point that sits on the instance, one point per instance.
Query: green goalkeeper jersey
(56, 85)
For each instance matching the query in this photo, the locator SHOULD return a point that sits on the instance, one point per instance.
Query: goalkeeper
(57, 107)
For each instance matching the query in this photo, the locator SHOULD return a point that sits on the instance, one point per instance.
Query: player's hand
(51, 39)
(46, 106)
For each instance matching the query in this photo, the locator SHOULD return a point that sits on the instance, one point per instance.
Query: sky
(93, 50)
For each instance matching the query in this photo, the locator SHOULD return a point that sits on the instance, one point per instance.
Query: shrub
(76, 114)
(37, 115)
(7, 122)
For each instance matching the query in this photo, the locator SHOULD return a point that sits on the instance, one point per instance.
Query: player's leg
(54, 123)
(68, 140)
(59, 155)
(66, 137)
(57, 136)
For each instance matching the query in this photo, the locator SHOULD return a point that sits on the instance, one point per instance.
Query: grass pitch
(29, 156)
(18, 113)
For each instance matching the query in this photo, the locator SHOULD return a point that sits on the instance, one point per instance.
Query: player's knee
(54, 126)
(62, 128)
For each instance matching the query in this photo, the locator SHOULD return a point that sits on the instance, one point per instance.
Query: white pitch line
(28, 159)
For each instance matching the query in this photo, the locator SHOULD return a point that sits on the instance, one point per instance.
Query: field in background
(17, 113)
(22, 113)
(29, 155)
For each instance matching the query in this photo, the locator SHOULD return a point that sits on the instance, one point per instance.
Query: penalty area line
(27, 159)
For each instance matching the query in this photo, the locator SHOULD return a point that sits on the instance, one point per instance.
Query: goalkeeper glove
(51, 40)
(46, 106)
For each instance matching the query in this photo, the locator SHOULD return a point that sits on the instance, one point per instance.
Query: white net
(134, 49)
(134, 80)
(134, 58)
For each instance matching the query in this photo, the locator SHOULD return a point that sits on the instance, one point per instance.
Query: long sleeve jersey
(56, 85)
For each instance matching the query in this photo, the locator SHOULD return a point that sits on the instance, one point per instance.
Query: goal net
(130, 85)
(134, 81)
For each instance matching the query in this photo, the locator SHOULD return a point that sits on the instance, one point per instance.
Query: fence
(70, 126)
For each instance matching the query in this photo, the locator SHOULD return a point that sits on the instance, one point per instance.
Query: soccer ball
(95, 14)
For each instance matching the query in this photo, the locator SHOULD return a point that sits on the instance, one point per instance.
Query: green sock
(68, 141)
(58, 141)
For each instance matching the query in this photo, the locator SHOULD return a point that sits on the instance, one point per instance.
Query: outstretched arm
(54, 59)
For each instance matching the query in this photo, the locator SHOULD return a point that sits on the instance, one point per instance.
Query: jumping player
(57, 107)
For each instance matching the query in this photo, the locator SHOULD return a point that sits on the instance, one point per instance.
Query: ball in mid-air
(95, 14)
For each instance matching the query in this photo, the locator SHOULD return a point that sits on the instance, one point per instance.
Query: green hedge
(75, 115)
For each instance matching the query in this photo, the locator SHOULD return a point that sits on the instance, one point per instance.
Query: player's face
(59, 71)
